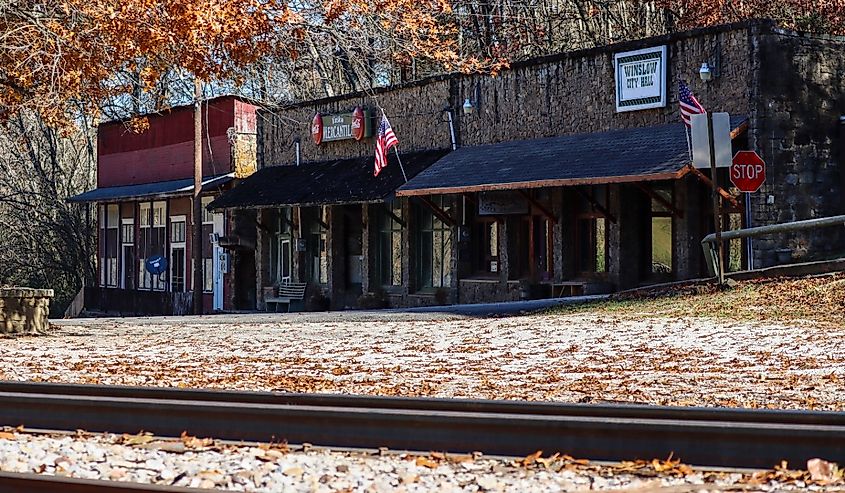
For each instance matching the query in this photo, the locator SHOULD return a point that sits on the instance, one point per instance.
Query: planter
(24, 310)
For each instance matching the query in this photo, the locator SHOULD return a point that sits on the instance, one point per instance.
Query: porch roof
(161, 189)
(656, 152)
(340, 181)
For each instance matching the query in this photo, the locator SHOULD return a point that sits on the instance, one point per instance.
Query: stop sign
(748, 171)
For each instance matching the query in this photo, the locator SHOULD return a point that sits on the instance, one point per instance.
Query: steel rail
(11, 482)
(629, 411)
(699, 442)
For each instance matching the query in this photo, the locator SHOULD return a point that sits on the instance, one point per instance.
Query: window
(486, 239)
(661, 233)
(280, 247)
(207, 246)
(434, 242)
(109, 244)
(177, 253)
(152, 241)
(127, 252)
(389, 245)
(591, 230)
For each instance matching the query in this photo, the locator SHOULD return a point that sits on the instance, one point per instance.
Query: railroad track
(700, 436)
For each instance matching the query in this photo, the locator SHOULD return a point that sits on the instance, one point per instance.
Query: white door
(220, 264)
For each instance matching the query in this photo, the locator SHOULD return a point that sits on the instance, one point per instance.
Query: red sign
(317, 128)
(358, 123)
(748, 171)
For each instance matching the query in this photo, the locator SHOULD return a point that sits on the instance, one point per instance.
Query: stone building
(561, 175)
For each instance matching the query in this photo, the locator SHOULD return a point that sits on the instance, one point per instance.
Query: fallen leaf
(426, 462)
(822, 470)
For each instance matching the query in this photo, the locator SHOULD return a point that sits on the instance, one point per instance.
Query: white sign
(640, 79)
(721, 140)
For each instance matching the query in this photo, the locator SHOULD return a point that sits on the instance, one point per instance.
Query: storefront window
(207, 247)
(280, 247)
(151, 242)
(109, 244)
(389, 245)
(661, 233)
(177, 253)
(434, 241)
(127, 248)
(486, 236)
(591, 230)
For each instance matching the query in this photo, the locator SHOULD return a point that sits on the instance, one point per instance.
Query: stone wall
(24, 310)
(799, 100)
(566, 93)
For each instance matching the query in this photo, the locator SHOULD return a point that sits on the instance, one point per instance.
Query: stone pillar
(368, 250)
(455, 247)
(262, 257)
(614, 236)
(408, 266)
(556, 255)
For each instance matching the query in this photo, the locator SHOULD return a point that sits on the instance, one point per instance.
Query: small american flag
(689, 105)
(385, 139)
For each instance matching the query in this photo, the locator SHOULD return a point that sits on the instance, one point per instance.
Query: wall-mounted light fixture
(468, 107)
(705, 72)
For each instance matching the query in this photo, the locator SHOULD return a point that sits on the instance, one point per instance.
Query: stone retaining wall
(24, 310)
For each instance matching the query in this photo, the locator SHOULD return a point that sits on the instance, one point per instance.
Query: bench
(289, 293)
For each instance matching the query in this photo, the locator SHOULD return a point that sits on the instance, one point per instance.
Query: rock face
(24, 310)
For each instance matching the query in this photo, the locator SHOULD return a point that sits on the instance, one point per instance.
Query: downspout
(298, 153)
(452, 129)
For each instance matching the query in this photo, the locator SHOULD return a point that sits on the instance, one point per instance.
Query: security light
(705, 72)
(468, 107)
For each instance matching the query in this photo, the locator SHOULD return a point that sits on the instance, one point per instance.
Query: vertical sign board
(640, 79)
(721, 140)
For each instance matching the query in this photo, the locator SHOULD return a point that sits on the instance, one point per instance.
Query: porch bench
(289, 293)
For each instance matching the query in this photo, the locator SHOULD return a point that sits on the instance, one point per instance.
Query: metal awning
(340, 181)
(657, 152)
(157, 190)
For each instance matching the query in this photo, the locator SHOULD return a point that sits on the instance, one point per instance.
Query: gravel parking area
(202, 463)
(576, 357)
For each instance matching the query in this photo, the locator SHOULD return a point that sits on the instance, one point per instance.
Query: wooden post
(717, 206)
(196, 223)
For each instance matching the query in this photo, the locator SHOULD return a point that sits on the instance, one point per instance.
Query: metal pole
(717, 206)
(400, 164)
(196, 222)
(749, 245)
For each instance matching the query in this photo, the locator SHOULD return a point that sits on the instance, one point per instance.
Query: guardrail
(711, 249)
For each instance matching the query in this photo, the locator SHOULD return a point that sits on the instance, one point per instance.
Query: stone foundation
(24, 310)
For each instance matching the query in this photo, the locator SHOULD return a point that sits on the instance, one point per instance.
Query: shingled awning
(615, 156)
(343, 181)
(156, 190)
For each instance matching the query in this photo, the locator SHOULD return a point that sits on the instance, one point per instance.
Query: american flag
(385, 139)
(689, 105)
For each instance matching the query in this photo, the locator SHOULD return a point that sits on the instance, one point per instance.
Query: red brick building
(143, 197)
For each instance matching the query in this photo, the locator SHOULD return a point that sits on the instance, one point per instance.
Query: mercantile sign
(341, 126)
(640, 79)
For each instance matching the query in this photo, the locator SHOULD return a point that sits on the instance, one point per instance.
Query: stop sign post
(748, 171)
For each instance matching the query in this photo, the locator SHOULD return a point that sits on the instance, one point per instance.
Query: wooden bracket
(602, 210)
(538, 205)
(660, 200)
(707, 181)
(394, 216)
(440, 213)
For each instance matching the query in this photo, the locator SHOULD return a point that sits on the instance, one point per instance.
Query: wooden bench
(289, 293)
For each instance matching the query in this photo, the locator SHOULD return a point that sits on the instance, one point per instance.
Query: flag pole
(689, 144)
(400, 164)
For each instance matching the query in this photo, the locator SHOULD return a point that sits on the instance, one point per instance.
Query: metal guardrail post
(708, 244)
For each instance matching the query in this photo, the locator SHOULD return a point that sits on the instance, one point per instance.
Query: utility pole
(717, 206)
(196, 222)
